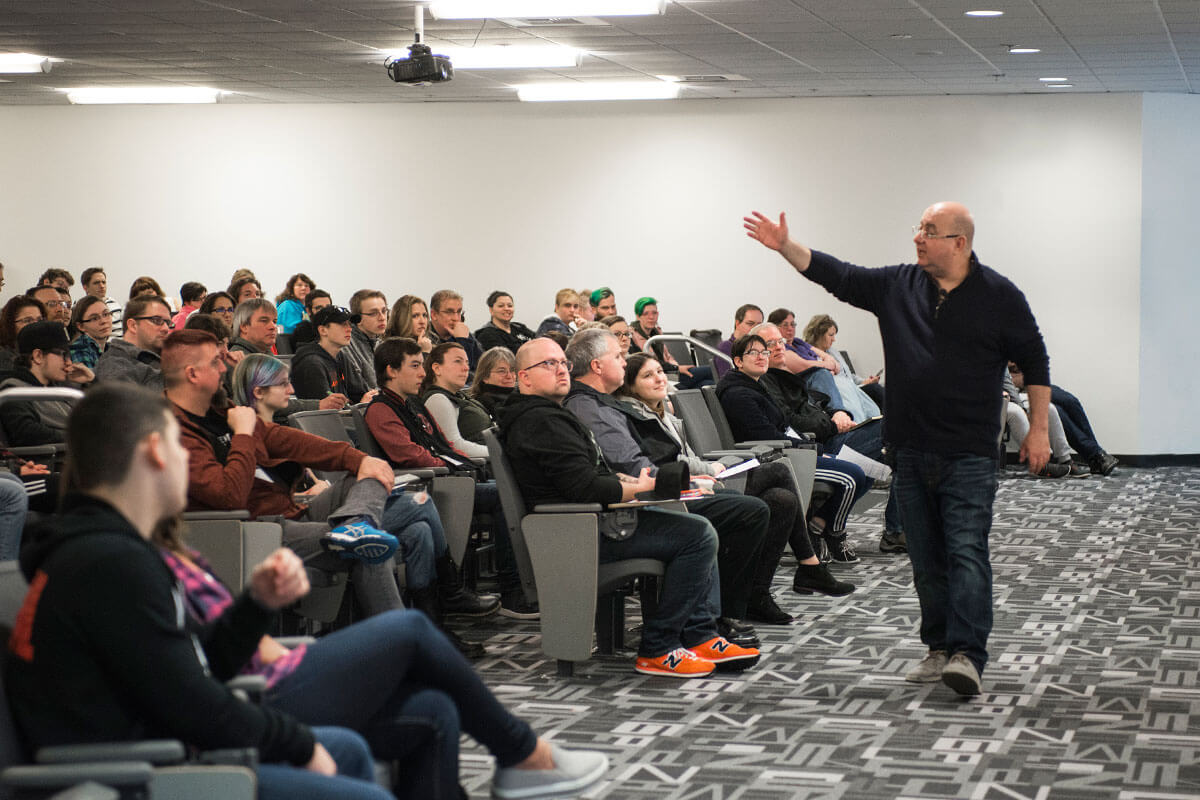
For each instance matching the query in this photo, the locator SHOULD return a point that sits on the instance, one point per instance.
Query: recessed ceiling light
(901, 36)
(14, 63)
(929, 52)
(1020, 50)
(493, 9)
(1059, 85)
(985, 13)
(141, 94)
(1053, 80)
(598, 90)
(508, 56)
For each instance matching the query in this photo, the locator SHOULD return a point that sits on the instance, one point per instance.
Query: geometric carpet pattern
(1091, 691)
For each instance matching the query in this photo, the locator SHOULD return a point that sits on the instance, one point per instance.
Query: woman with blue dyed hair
(263, 383)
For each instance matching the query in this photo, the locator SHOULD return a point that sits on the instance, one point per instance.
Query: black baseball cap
(332, 314)
(42, 336)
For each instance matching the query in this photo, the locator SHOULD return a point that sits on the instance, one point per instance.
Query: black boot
(763, 608)
(426, 601)
(817, 578)
(456, 599)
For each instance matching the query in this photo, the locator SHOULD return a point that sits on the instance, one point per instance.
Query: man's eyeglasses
(775, 342)
(158, 321)
(926, 234)
(105, 314)
(57, 304)
(379, 312)
(756, 353)
(552, 364)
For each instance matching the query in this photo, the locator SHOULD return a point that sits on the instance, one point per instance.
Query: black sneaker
(514, 606)
(840, 549)
(817, 578)
(738, 632)
(1055, 469)
(893, 542)
(462, 602)
(763, 608)
(1079, 471)
(1102, 463)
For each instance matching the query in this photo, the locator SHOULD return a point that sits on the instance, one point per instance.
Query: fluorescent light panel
(599, 90)
(142, 94)
(982, 13)
(506, 9)
(14, 63)
(508, 57)
(1020, 50)
(1053, 80)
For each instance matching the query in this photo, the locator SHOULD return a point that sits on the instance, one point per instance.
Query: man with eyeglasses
(555, 460)
(949, 326)
(135, 357)
(95, 282)
(358, 357)
(58, 308)
(43, 360)
(745, 318)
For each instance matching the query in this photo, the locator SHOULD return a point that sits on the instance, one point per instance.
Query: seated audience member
(135, 356)
(43, 359)
(495, 379)
(1016, 421)
(192, 296)
(744, 319)
(18, 312)
(565, 318)
(661, 437)
(462, 419)
(289, 305)
(502, 330)
(586, 312)
(261, 382)
(221, 305)
(603, 303)
(58, 308)
(619, 328)
(95, 283)
(821, 333)
(92, 322)
(410, 320)
(58, 278)
(856, 402)
(690, 377)
(304, 331)
(146, 286)
(254, 327)
(555, 460)
(316, 370)
(212, 324)
(358, 357)
(753, 415)
(818, 368)
(393, 678)
(1069, 427)
(239, 274)
(227, 450)
(410, 438)
(598, 370)
(446, 324)
(806, 411)
(245, 288)
(100, 595)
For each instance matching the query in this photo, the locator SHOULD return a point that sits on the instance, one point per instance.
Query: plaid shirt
(207, 598)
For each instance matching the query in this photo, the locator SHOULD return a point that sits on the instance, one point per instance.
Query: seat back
(717, 412)
(326, 423)
(514, 510)
(702, 433)
(366, 440)
(680, 350)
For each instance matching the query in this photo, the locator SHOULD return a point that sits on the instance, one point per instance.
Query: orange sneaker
(679, 663)
(728, 656)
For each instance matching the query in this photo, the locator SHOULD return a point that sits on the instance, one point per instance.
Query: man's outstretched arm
(775, 236)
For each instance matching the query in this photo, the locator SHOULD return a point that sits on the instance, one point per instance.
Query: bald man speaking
(947, 323)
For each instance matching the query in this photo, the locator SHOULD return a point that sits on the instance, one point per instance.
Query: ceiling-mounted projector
(421, 68)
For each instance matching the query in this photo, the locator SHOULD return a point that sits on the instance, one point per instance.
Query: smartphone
(877, 374)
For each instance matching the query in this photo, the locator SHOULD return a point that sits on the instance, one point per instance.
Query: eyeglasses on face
(756, 353)
(622, 334)
(775, 342)
(552, 364)
(27, 320)
(57, 304)
(379, 312)
(105, 314)
(223, 310)
(158, 321)
(920, 230)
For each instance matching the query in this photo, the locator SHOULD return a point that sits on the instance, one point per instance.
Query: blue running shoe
(360, 540)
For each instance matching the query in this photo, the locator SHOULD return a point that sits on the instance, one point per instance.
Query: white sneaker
(930, 668)
(574, 770)
(961, 676)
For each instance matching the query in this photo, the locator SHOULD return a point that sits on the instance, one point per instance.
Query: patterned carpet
(1091, 693)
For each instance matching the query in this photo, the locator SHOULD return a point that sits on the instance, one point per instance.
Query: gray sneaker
(961, 676)
(574, 770)
(930, 668)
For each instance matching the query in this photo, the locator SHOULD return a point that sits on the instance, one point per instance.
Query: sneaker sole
(666, 673)
(559, 789)
(926, 679)
(855, 560)
(511, 614)
(962, 684)
(487, 612)
(740, 664)
(369, 552)
(826, 592)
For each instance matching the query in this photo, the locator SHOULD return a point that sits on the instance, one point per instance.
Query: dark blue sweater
(944, 365)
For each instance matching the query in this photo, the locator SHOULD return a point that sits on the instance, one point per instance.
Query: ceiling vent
(548, 22)
(716, 78)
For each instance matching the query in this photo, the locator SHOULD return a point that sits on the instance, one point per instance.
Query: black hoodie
(553, 455)
(316, 374)
(103, 651)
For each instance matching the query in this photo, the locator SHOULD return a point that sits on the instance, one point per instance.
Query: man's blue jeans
(1075, 422)
(690, 600)
(946, 506)
(354, 781)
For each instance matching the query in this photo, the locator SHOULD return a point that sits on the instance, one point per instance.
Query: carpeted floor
(1091, 692)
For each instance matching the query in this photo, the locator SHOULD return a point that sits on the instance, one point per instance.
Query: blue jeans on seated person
(690, 597)
(1075, 422)
(14, 504)
(398, 681)
(946, 505)
(355, 779)
(419, 529)
(821, 379)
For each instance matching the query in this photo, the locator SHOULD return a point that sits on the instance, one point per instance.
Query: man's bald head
(551, 381)
(957, 219)
(536, 350)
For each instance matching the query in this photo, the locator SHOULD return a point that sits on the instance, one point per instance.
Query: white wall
(1170, 281)
(644, 197)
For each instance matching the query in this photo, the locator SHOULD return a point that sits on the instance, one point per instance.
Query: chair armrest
(154, 751)
(774, 444)
(424, 473)
(568, 508)
(740, 455)
(249, 687)
(45, 777)
(239, 514)
(36, 450)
